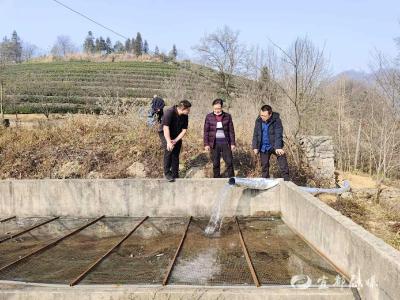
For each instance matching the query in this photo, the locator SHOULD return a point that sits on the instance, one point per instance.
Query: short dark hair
(218, 101)
(184, 104)
(267, 108)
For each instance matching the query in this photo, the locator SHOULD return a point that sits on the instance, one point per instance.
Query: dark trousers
(226, 152)
(282, 162)
(171, 158)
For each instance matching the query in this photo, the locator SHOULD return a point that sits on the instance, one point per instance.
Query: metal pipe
(341, 190)
(100, 259)
(254, 183)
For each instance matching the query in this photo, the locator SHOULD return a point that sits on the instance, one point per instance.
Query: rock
(196, 172)
(347, 196)
(367, 193)
(70, 169)
(94, 175)
(136, 170)
(390, 199)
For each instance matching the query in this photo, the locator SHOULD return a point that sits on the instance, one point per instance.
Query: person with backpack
(156, 112)
(175, 123)
(219, 138)
(268, 140)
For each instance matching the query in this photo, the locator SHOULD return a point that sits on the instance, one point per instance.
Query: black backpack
(156, 111)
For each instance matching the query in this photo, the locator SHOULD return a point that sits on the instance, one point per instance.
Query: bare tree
(386, 73)
(302, 71)
(28, 51)
(384, 116)
(222, 51)
(2, 68)
(63, 46)
(258, 81)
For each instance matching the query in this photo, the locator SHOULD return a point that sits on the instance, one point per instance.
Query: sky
(350, 30)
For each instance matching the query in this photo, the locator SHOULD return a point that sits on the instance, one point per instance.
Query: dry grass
(93, 144)
(370, 215)
(86, 146)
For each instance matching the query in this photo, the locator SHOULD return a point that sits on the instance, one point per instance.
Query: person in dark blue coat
(268, 140)
(156, 112)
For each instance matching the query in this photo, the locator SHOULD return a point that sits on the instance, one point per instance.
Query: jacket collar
(273, 118)
(222, 115)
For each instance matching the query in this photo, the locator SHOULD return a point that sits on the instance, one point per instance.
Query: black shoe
(169, 177)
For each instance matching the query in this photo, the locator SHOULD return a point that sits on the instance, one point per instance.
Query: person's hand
(207, 148)
(233, 147)
(255, 151)
(170, 146)
(280, 152)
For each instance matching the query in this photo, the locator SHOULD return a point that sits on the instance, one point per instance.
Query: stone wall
(319, 156)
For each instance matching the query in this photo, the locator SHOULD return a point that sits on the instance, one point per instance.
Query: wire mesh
(18, 247)
(144, 257)
(17, 224)
(211, 261)
(278, 254)
(64, 261)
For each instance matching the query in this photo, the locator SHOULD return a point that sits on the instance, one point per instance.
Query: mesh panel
(144, 257)
(278, 254)
(211, 261)
(19, 246)
(66, 260)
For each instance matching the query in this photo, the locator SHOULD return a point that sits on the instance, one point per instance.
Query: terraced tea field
(79, 86)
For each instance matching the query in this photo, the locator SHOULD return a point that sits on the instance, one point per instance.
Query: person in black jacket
(268, 140)
(175, 124)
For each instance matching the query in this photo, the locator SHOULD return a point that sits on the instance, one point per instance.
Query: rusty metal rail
(246, 254)
(171, 265)
(7, 219)
(49, 245)
(100, 259)
(14, 235)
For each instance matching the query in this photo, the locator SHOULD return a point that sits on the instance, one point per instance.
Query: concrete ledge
(371, 263)
(127, 197)
(364, 258)
(13, 291)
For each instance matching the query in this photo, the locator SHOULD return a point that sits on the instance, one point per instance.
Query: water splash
(200, 269)
(218, 210)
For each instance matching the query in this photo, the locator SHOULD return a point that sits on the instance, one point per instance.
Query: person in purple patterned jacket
(219, 138)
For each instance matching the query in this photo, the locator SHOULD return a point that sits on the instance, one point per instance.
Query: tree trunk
(1, 100)
(357, 154)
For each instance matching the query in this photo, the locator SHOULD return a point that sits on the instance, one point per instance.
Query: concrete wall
(14, 291)
(359, 254)
(127, 197)
(356, 252)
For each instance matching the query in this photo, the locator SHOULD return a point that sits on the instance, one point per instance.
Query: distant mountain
(355, 75)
